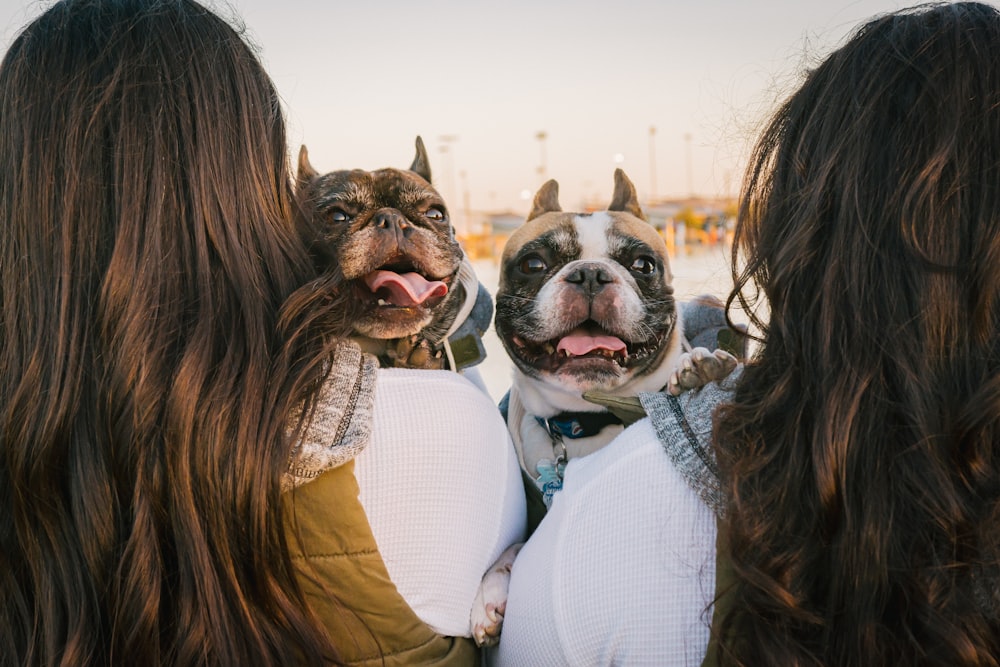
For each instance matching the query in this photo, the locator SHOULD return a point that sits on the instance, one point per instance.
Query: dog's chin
(381, 320)
(389, 322)
(586, 373)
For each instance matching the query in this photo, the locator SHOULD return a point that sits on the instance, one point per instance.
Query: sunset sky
(480, 80)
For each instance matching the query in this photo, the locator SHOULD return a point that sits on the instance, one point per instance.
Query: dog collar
(575, 425)
(463, 344)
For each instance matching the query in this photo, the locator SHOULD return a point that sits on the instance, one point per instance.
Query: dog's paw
(491, 599)
(415, 352)
(698, 367)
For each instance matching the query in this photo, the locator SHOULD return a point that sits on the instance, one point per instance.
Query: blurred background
(508, 95)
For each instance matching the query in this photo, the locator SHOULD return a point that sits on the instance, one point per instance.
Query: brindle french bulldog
(389, 235)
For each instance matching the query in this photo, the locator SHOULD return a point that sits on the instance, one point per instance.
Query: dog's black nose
(392, 221)
(591, 278)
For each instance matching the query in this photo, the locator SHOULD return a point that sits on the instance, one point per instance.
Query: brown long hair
(861, 451)
(146, 251)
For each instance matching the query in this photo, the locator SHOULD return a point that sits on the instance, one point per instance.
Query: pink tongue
(407, 289)
(579, 344)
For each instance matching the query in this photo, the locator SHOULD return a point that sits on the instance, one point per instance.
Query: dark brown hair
(146, 253)
(861, 452)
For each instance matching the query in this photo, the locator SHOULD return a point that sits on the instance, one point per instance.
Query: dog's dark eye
(435, 214)
(532, 264)
(644, 265)
(337, 215)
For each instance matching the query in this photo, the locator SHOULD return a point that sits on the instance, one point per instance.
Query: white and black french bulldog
(385, 240)
(585, 305)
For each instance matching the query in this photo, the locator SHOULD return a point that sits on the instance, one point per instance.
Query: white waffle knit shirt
(622, 569)
(442, 489)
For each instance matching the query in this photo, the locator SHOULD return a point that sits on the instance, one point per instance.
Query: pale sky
(481, 79)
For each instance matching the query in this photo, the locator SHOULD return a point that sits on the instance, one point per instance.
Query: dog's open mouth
(402, 286)
(586, 343)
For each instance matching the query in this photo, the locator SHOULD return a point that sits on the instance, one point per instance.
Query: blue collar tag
(575, 425)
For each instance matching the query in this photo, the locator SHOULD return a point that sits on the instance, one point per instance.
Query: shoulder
(636, 450)
(632, 474)
(433, 385)
(436, 406)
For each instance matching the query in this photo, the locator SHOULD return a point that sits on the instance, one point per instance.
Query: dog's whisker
(523, 299)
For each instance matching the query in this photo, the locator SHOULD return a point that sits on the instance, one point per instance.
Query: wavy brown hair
(146, 253)
(862, 451)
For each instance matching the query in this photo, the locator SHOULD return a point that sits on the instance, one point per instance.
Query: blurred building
(683, 223)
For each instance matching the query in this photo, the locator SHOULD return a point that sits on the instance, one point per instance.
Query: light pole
(690, 175)
(541, 136)
(446, 141)
(466, 213)
(652, 164)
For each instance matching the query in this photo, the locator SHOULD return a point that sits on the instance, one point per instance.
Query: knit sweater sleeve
(683, 426)
(340, 425)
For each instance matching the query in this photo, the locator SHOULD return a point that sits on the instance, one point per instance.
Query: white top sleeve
(442, 490)
(622, 569)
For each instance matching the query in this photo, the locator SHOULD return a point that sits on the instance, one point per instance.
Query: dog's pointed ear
(421, 165)
(546, 200)
(306, 172)
(624, 198)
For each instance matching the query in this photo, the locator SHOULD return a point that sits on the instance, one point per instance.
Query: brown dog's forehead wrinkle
(403, 188)
(392, 175)
(344, 187)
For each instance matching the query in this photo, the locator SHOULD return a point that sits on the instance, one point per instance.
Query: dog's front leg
(698, 367)
(491, 599)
